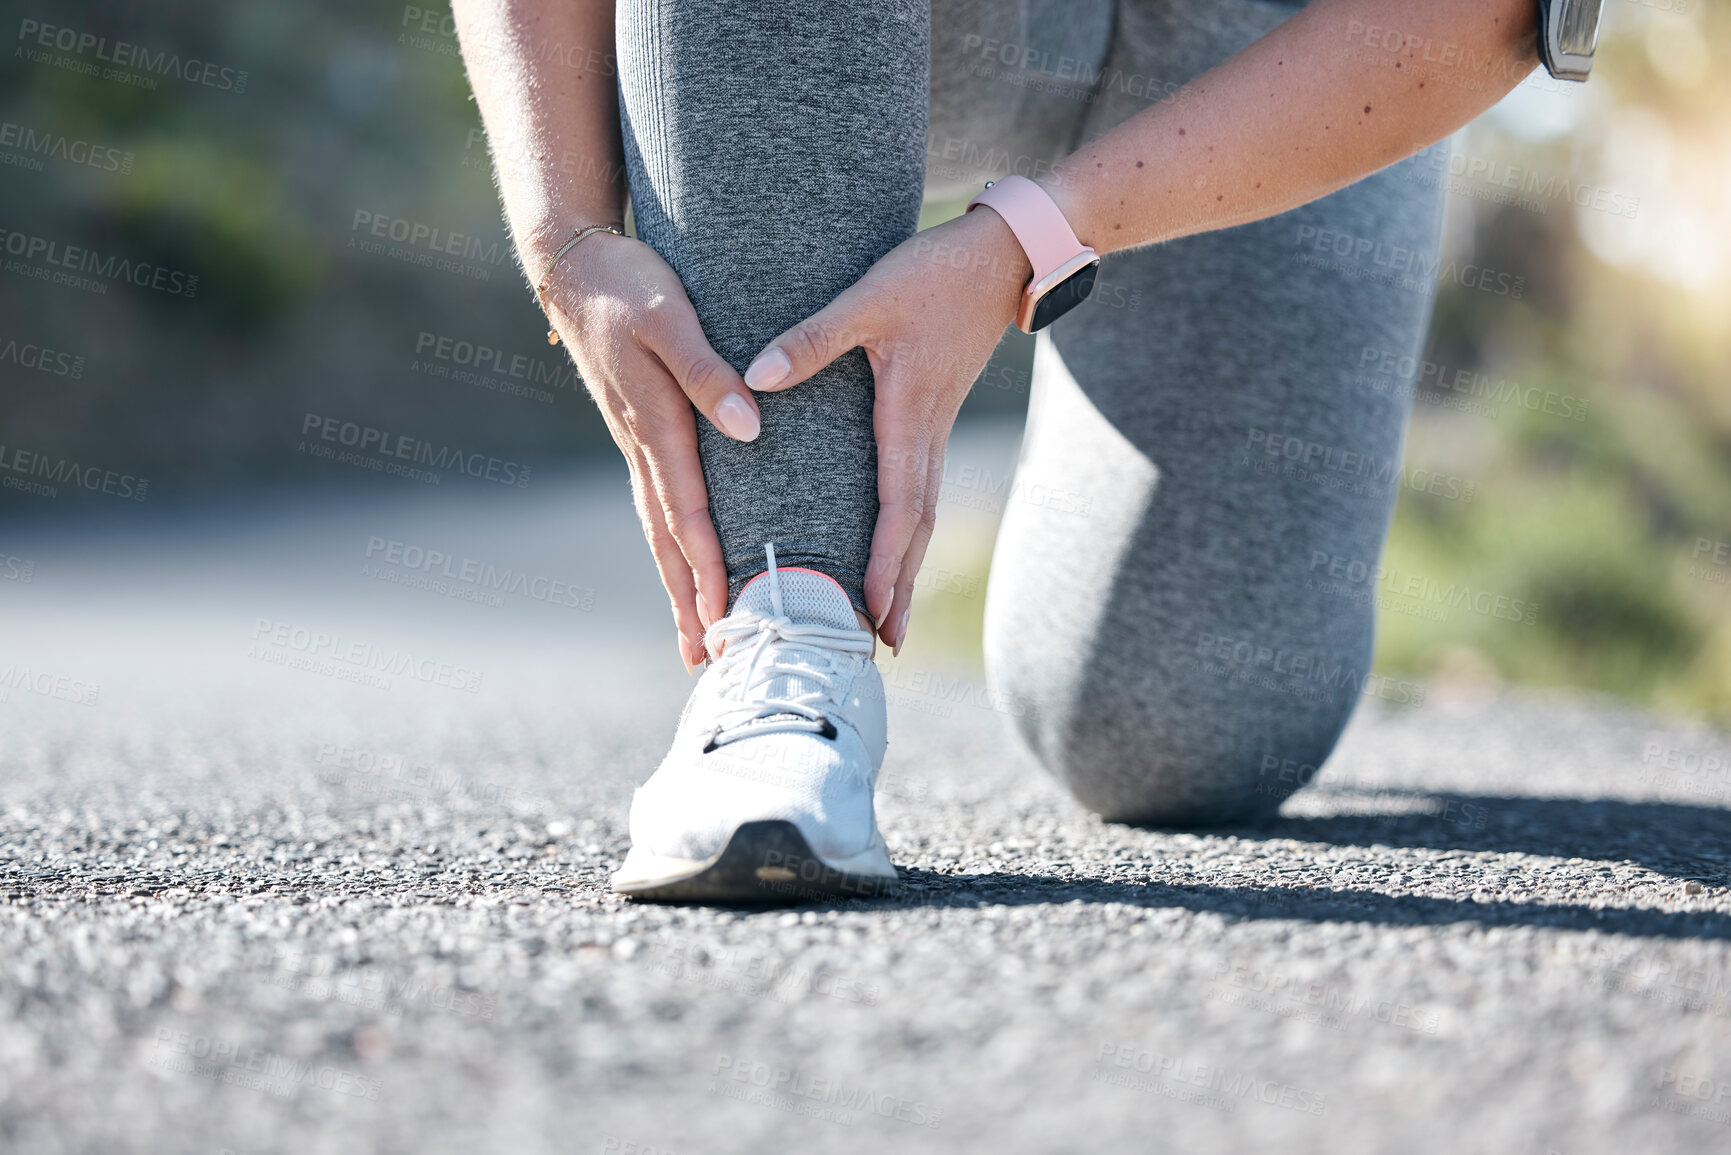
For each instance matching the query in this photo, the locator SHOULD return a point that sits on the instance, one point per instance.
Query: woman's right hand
(636, 341)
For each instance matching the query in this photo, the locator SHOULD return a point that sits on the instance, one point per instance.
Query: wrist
(1062, 268)
(992, 252)
(537, 243)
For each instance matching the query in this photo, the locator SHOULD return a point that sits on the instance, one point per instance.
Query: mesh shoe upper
(787, 723)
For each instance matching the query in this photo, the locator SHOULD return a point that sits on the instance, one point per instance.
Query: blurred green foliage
(1608, 524)
(1604, 528)
(350, 110)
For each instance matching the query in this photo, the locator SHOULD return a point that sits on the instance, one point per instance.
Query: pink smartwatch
(1064, 267)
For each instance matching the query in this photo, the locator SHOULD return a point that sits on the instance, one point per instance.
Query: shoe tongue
(807, 597)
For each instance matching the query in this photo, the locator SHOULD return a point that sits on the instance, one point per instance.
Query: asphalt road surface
(258, 896)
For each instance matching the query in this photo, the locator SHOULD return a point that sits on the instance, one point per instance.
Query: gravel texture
(254, 908)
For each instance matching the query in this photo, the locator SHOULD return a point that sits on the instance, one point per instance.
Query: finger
(682, 505)
(664, 442)
(676, 576)
(904, 464)
(810, 345)
(901, 605)
(714, 387)
(676, 579)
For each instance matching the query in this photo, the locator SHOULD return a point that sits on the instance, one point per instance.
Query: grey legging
(1162, 618)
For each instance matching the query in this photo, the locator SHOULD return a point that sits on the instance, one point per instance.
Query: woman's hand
(624, 316)
(928, 315)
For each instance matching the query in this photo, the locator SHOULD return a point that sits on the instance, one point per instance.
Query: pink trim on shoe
(793, 569)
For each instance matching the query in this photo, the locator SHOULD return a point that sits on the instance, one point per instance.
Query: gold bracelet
(541, 289)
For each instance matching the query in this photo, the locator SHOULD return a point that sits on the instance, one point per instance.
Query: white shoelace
(760, 649)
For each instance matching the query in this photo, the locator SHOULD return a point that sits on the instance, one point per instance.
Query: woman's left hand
(928, 316)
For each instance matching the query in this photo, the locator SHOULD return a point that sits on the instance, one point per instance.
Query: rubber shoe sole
(767, 862)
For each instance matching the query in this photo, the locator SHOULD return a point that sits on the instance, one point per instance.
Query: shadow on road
(1671, 838)
(1666, 837)
(1316, 904)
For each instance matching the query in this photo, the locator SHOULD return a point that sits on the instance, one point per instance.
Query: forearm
(1306, 110)
(543, 74)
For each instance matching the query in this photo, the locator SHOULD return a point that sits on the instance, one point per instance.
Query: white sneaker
(766, 795)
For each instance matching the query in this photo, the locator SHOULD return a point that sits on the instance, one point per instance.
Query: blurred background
(226, 225)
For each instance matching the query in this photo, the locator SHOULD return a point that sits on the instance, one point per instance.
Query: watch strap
(1039, 225)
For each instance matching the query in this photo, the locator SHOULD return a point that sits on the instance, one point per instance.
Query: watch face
(1064, 296)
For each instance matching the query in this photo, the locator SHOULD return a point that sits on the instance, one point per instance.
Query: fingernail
(902, 628)
(736, 418)
(769, 370)
(889, 604)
